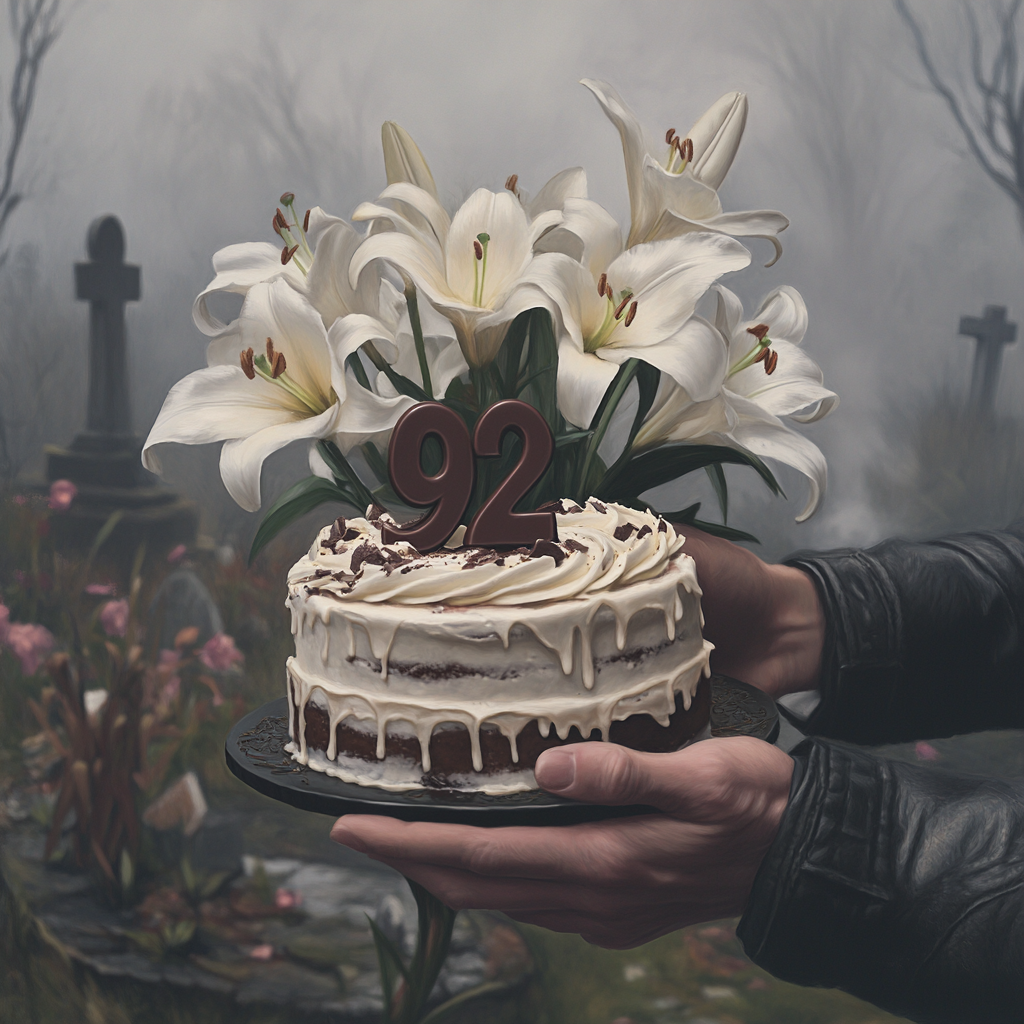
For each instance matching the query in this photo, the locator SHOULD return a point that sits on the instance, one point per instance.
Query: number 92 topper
(449, 490)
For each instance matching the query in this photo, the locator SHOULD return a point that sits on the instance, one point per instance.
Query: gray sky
(189, 119)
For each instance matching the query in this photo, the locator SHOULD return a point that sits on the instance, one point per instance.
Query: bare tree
(990, 110)
(35, 26)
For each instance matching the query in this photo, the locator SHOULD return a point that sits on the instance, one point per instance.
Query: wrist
(798, 631)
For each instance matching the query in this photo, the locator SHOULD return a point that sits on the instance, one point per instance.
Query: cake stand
(256, 755)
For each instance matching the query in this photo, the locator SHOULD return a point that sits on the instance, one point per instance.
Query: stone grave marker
(103, 461)
(991, 332)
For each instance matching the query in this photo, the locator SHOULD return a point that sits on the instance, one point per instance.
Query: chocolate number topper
(495, 524)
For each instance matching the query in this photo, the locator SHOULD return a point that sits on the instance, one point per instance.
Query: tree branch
(1013, 187)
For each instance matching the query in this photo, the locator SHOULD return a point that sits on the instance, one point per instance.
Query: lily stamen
(771, 362)
(287, 254)
(622, 305)
(759, 353)
(305, 221)
(480, 266)
(759, 331)
(631, 313)
(512, 183)
(245, 358)
(602, 281)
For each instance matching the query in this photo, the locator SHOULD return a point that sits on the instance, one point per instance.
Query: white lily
(640, 303)
(257, 403)
(748, 409)
(793, 386)
(678, 193)
(472, 267)
(320, 248)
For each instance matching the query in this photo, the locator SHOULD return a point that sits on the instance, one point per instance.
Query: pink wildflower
(101, 589)
(62, 493)
(264, 952)
(114, 618)
(287, 899)
(20, 499)
(219, 653)
(176, 554)
(29, 643)
(925, 751)
(5, 622)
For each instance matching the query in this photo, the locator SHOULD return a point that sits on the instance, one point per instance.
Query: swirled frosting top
(601, 546)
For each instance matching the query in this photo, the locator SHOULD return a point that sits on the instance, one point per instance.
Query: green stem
(417, 336)
(340, 467)
(604, 418)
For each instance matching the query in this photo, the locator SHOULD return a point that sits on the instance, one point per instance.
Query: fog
(188, 120)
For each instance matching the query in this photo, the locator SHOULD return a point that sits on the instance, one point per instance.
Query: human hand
(765, 621)
(618, 883)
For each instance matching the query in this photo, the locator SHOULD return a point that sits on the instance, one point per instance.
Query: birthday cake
(455, 669)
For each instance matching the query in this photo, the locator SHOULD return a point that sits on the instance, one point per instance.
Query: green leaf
(683, 515)
(449, 1006)
(577, 435)
(716, 474)
(435, 920)
(343, 472)
(661, 465)
(305, 496)
(404, 386)
(511, 355)
(393, 971)
(599, 426)
(412, 302)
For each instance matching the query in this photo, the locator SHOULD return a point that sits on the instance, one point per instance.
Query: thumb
(606, 773)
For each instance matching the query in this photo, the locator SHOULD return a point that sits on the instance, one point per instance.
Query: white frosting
(455, 641)
(602, 547)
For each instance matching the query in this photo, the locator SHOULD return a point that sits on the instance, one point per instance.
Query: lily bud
(716, 137)
(403, 160)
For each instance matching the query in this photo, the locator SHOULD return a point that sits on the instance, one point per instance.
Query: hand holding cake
(617, 883)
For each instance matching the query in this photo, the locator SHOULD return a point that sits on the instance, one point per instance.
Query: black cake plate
(255, 753)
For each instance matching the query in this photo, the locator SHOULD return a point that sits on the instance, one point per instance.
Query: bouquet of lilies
(644, 367)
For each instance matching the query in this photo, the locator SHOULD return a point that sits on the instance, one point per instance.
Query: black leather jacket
(901, 884)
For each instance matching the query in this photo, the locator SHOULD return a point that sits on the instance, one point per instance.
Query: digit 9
(450, 488)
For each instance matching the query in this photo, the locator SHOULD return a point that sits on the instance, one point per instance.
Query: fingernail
(556, 770)
(343, 835)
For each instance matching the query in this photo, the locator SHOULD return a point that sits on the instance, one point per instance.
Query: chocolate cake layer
(450, 748)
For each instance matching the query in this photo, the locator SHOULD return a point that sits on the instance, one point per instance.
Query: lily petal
(296, 329)
(634, 148)
(241, 460)
(767, 224)
(785, 311)
(328, 284)
(403, 160)
(765, 435)
(793, 389)
(236, 269)
(582, 381)
(568, 184)
(716, 137)
(696, 357)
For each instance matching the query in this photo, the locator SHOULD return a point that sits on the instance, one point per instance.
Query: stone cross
(992, 332)
(107, 283)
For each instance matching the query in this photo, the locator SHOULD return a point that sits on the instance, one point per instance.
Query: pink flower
(29, 643)
(114, 618)
(5, 622)
(20, 499)
(62, 493)
(176, 554)
(925, 751)
(101, 589)
(219, 653)
(287, 899)
(264, 952)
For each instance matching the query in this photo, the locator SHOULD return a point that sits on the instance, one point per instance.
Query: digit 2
(495, 524)
(451, 488)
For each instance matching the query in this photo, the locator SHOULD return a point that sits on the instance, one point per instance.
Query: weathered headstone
(991, 332)
(103, 460)
(183, 601)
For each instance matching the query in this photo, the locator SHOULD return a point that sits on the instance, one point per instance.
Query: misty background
(188, 120)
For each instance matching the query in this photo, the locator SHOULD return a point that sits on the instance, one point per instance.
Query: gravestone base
(110, 478)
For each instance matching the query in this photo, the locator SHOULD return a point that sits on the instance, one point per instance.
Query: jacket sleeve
(922, 639)
(899, 884)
